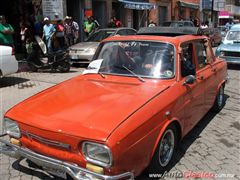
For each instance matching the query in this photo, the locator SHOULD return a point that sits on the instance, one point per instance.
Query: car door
(206, 72)
(193, 96)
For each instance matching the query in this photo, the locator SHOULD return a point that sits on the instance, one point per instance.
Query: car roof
(178, 21)
(170, 31)
(235, 27)
(115, 29)
(172, 40)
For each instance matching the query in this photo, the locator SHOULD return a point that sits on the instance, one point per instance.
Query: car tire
(64, 67)
(164, 155)
(219, 101)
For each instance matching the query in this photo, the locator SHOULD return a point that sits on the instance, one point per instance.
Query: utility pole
(212, 14)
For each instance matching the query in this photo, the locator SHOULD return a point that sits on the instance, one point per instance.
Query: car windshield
(139, 58)
(233, 35)
(100, 35)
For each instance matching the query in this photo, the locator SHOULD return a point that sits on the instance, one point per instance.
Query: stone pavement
(211, 147)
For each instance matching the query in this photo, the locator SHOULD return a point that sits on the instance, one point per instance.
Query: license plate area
(56, 172)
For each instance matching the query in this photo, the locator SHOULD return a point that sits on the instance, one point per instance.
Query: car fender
(164, 127)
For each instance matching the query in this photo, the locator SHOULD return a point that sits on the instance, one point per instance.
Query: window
(187, 60)
(131, 32)
(201, 54)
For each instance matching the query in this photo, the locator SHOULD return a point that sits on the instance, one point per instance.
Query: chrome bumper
(72, 170)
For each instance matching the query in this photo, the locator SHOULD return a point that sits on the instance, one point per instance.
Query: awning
(139, 5)
(188, 5)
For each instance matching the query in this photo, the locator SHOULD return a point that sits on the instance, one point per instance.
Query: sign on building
(52, 9)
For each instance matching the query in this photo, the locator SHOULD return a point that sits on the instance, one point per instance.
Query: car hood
(84, 45)
(234, 47)
(86, 107)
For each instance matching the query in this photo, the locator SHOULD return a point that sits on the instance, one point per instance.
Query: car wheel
(219, 101)
(64, 67)
(164, 154)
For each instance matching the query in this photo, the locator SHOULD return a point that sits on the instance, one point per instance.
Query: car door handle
(200, 77)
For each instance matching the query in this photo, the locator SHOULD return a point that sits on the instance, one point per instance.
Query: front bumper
(81, 56)
(72, 170)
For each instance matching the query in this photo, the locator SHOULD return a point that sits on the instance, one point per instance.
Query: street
(211, 147)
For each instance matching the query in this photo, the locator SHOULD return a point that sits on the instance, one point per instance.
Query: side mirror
(189, 80)
(93, 67)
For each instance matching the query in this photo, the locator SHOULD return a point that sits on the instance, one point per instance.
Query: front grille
(232, 54)
(46, 141)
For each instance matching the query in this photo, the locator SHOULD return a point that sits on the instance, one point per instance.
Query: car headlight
(90, 50)
(97, 153)
(11, 128)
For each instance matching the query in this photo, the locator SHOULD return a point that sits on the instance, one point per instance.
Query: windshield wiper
(102, 75)
(134, 74)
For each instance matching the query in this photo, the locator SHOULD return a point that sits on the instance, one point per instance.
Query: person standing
(112, 23)
(76, 30)
(48, 32)
(60, 33)
(69, 31)
(6, 32)
(25, 36)
(89, 26)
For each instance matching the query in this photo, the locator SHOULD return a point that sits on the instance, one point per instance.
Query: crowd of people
(57, 34)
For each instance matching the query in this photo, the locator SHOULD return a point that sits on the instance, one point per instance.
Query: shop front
(136, 12)
(186, 11)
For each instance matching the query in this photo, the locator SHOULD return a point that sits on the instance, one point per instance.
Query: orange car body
(126, 115)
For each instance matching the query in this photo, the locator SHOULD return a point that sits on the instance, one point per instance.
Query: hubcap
(220, 97)
(166, 148)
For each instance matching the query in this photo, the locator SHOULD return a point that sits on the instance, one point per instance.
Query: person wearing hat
(6, 32)
(48, 32)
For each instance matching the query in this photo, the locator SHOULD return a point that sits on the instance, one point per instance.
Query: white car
(8, 62)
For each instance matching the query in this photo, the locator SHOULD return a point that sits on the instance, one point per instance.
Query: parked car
(230, 48)
(84, 51)
(8, 62)
(178, 24)
(128, 111)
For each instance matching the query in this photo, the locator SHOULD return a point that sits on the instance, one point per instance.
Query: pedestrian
(88, 26)
(69, 31)
(96, 23)
(6, 32)
(25, 35)
(60, 33)
(48, 32)
(196, 22)
(152, 24)
(112, 23)
(76, 30)
(117, 22)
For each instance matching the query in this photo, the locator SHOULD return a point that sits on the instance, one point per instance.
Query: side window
(187, 60)
(201, 54)
(131, 32)
(122, 32)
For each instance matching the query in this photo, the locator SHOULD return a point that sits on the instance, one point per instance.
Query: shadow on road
(32, 169)
(11, 81)
(234, 66)
(187, 141)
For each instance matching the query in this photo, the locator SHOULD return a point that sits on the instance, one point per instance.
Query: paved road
(211, 147)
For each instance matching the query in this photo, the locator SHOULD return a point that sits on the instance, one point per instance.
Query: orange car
(126, 113)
